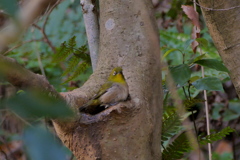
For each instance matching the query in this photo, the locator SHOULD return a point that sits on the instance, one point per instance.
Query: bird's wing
(102, 90)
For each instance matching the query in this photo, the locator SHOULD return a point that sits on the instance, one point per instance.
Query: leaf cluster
(216, 136)
(170, 124)
(78, 59)
(172, 129)
(177, 148)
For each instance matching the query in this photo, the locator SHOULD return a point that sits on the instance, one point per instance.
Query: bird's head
(117, 75)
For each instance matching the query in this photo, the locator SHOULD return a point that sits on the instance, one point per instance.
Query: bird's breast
(116, 93)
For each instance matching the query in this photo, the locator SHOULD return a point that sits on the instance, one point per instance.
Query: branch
(92, 29)
(45, 37)
(27, 16)
(23, 78)
(20, 44)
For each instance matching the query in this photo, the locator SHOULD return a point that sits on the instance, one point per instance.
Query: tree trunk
(128, 130)
(223, 23)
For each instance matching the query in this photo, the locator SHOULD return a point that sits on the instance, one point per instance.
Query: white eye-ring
(114, 73)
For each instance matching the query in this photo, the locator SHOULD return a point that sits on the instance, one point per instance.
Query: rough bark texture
(224, 29)
(129, 130)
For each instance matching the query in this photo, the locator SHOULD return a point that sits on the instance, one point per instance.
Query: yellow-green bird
(113, 91)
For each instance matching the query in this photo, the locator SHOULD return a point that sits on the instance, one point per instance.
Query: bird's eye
(114, 73)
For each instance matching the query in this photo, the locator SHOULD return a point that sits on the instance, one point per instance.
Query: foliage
(171, 127)
(224, 156)
(181, 60)
(170, 124)
(177, 148)
(180, 73)
(33, 52)
(9, 6)
(78, 59)
(41, 144)
(189, 103)
(63, 24)
(216, 136)
(44, 106)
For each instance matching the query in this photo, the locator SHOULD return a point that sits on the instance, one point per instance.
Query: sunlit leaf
(194, 78)
(168, 52)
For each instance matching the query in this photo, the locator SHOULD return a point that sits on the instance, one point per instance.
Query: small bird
(113, 91)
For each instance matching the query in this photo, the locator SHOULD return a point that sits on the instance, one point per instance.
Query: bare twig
(28, 13)
(48, 14)
(40, 64)
(206, 100)
(20, 44)
(45, 37)
(92, 29)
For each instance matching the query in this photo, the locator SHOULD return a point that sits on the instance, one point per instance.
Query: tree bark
(223, 22)
(131, 129)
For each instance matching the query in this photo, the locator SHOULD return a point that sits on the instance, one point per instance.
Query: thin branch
(40, 64)
(92, 29)
(20, 44)
(206, 101)
(189, 93)
(27, 15)
(212, 9)
(48, 14)
(184, 92)
(45, 37)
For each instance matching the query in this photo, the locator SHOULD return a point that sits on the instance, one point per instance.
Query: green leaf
(170, 125)
(212, 63)
(189, 103)
(202, 41)
(9, 6)
(208, 83)
(234, 105)
(199, 57)
(177, 148)
(169, 51)
(229, 115)
(181, 73)
(33, 105)
(73, 63)
(41, 144)
(188, 43)
(194, 78)
(217, 107)
(82, 67)
(216, 136)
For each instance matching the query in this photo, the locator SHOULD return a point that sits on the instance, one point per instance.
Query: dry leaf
(193, 15)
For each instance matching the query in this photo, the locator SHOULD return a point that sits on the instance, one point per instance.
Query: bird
(115, 90)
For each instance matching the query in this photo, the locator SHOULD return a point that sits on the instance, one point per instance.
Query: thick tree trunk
(223, 22)
(129, 130)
